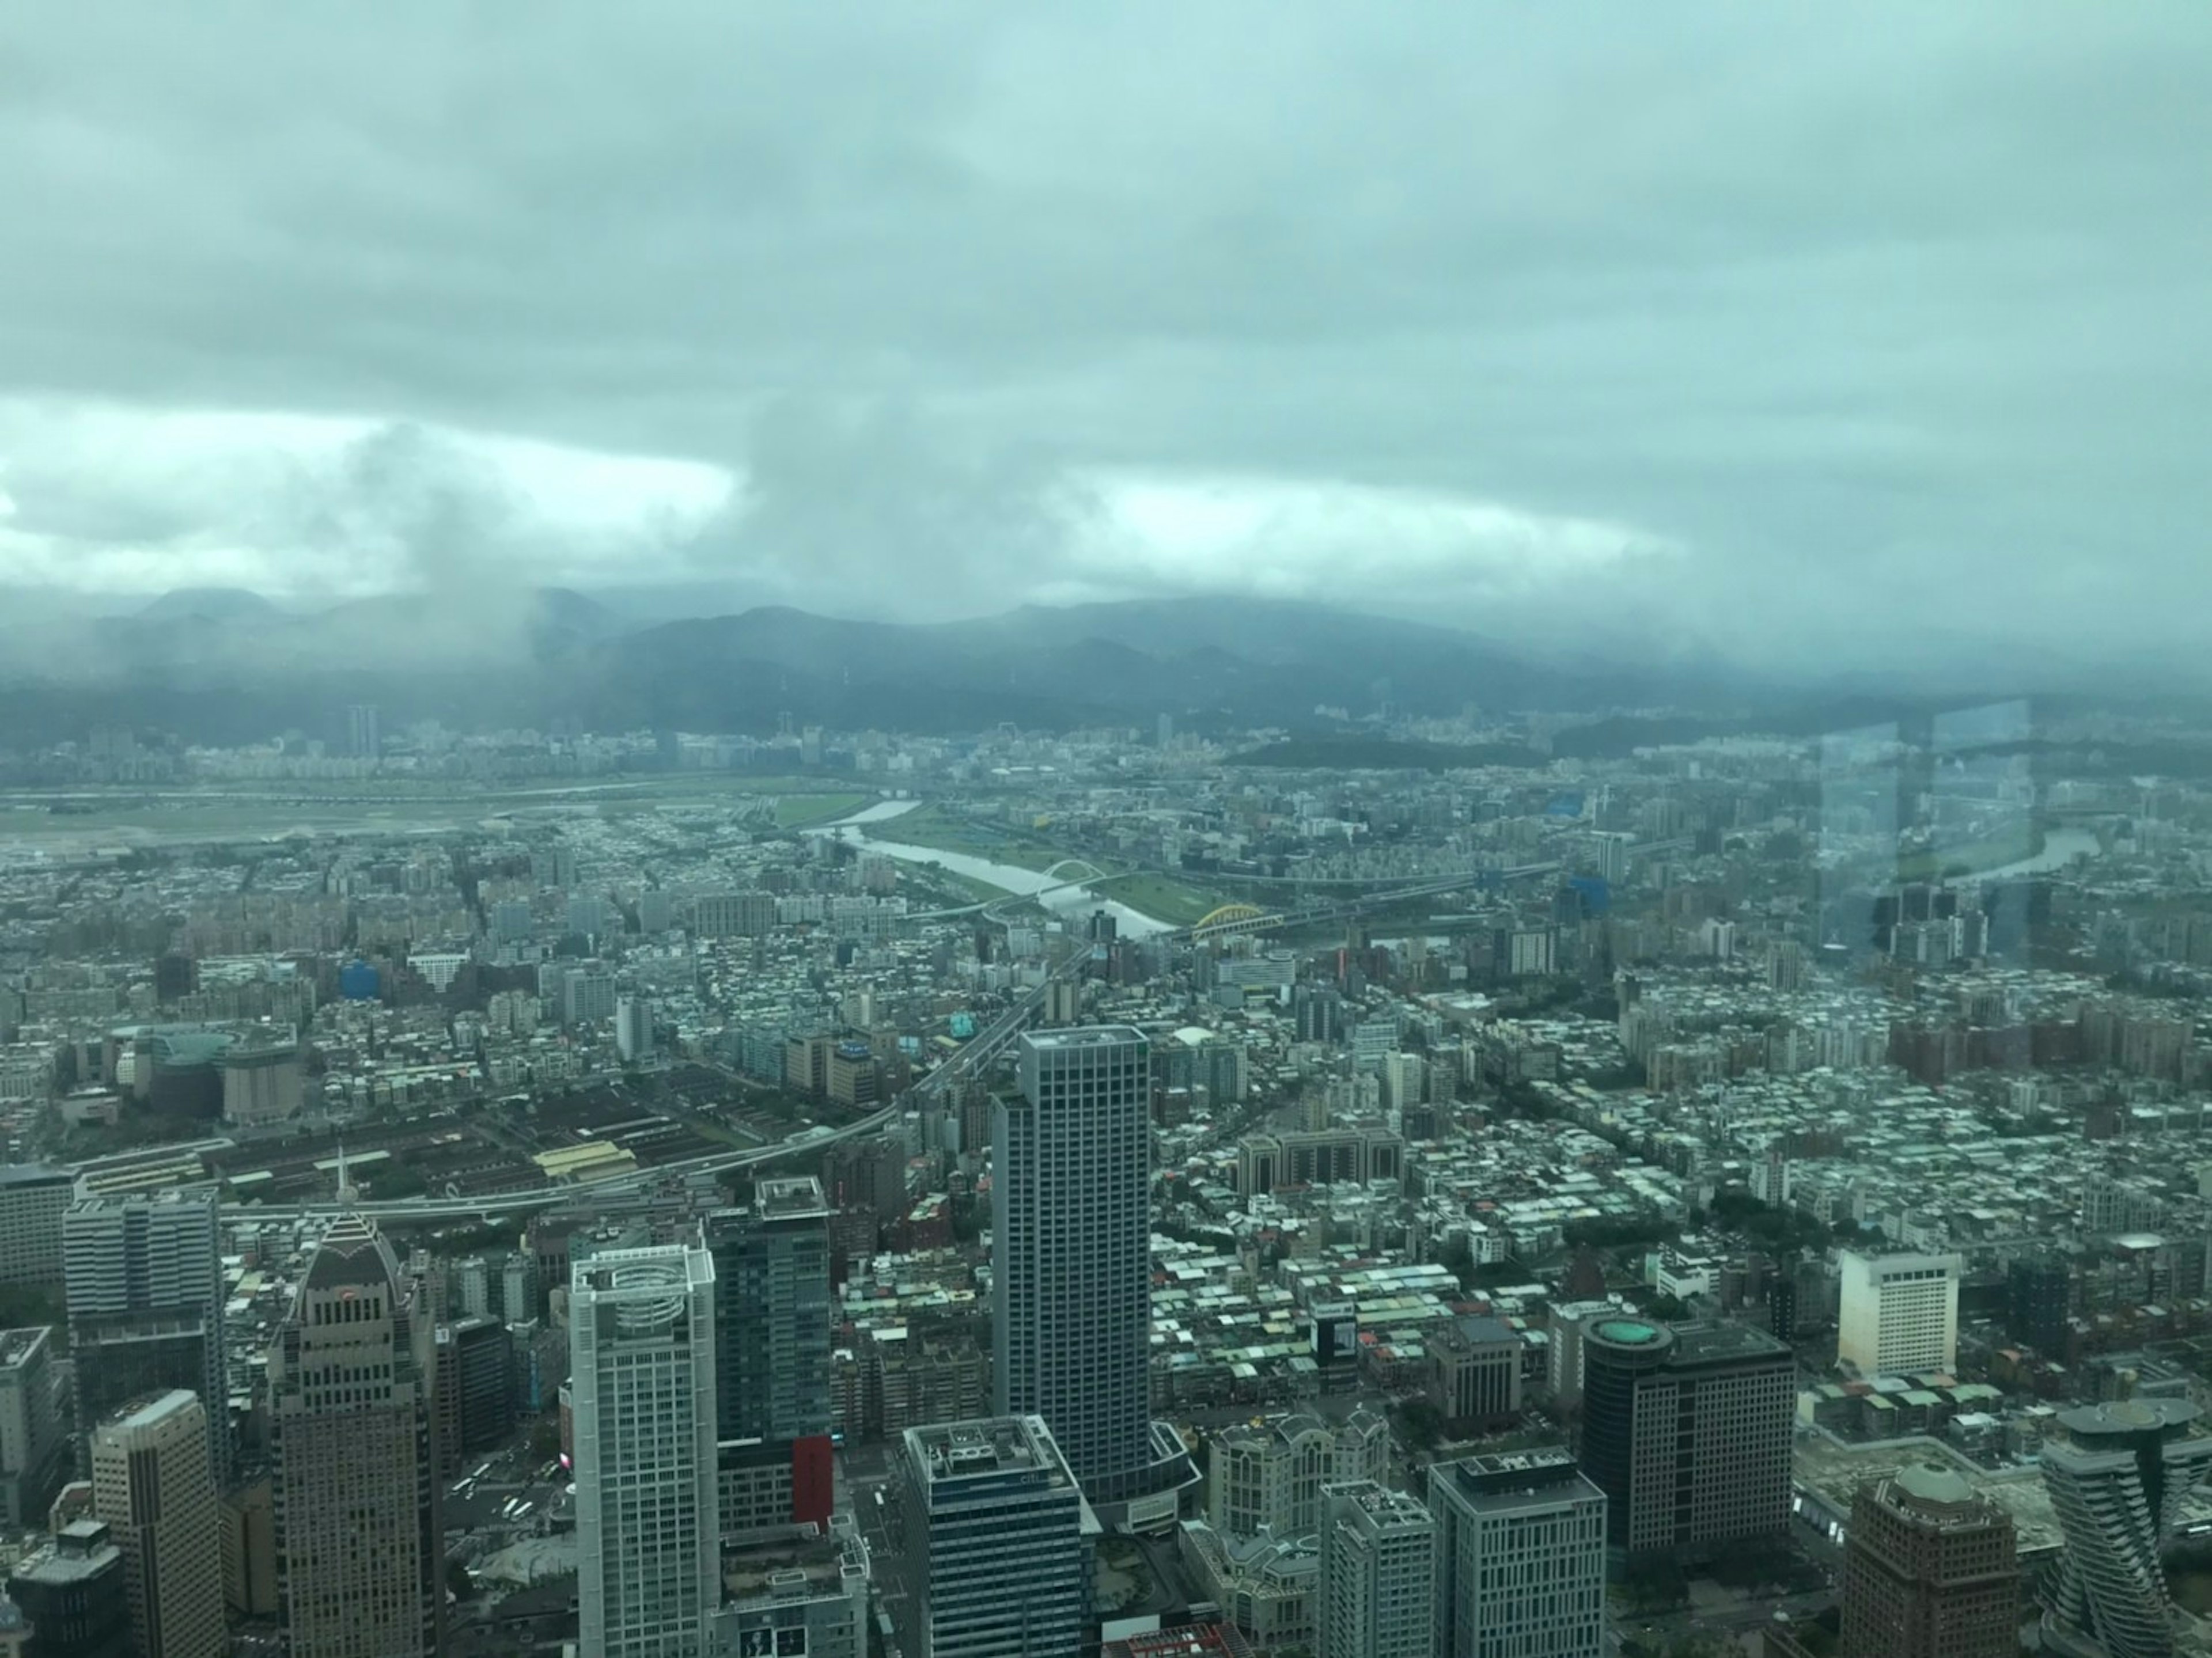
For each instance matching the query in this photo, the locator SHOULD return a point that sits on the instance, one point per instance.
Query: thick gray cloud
(1854, 337)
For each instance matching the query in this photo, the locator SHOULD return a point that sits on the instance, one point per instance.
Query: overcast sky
(1868, 335)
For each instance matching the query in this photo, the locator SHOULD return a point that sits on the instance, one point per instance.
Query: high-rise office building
(34, 1440)
(587, 996)
(151, 1484)
(649, 1525)
(262, 1082)
(1930, 1570)
(363, 741)
(360, 1519)
(1375, 1595)
(772, 1313)
(71, 1593)
(1899, 1314)
(2118, 1483)
(1686, 1430)
(633, 1029)
(995, 1524)
(1520, 1557)
(146, 1297)
(33, 1198)
(1070, 1251)
(2039, 1296)
(475, 1389)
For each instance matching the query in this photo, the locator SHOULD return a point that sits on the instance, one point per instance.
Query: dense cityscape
(853, 1194)
(1256, 830)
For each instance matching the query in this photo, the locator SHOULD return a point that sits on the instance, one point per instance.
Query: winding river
(1070, 903)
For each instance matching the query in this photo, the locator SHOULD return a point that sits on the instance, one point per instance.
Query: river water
(1073, 903)
(2059, 847)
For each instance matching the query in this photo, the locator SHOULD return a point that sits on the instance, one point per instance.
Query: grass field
(1162, 898)
(794, 810)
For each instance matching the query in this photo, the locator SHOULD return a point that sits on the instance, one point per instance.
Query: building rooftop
(1381, 1503)
(2126, 1417)
(17, 1346)
(1514, 1479)
(795, 1567)
(80, 1550)
(986, 1446)
(1831, 1473)
(792, 1199)
(1103, 1036)
(146, 1412)
(1716, 1343)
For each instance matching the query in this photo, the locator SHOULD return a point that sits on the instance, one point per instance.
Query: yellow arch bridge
(1231, 918)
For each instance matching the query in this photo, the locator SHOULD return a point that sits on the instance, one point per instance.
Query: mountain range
(227, 666)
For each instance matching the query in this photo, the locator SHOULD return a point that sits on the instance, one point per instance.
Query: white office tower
(151, 1484)
(1520, 1557)
(633, 1029)
(996, 1524)
(1071, 1252)
(1899, 1313)
(1376, 1593)
(648, 1526)
(2118, 1487)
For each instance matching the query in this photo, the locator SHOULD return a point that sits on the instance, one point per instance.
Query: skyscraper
(772, 1313)
(1071, 1257)
(145, 1291)
(2118, 1487)
(2039, 1293)
(1376, 1593)
(1686, 1430)
(633, 1029)
(32, 1199)
(34, 1439)
(150, 1483)
(995, 1522)
(1930, 1570)
(363, 740)
(1899, 1313)
(359, 1523)
(648, 1526)
(1520, 1557)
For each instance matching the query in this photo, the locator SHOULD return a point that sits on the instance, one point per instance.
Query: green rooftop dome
(1627, 1332)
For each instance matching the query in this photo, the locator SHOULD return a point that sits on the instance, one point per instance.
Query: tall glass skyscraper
(2118, 1487)
(1071, 1240)
(995, 1527)
(649, 1525)
(772, 1312)
(146, 1308)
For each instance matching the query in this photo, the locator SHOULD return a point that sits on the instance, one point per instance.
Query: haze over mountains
(229, 666)
(222, 665)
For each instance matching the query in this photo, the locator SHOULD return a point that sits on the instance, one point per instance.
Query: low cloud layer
(1856, 339)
